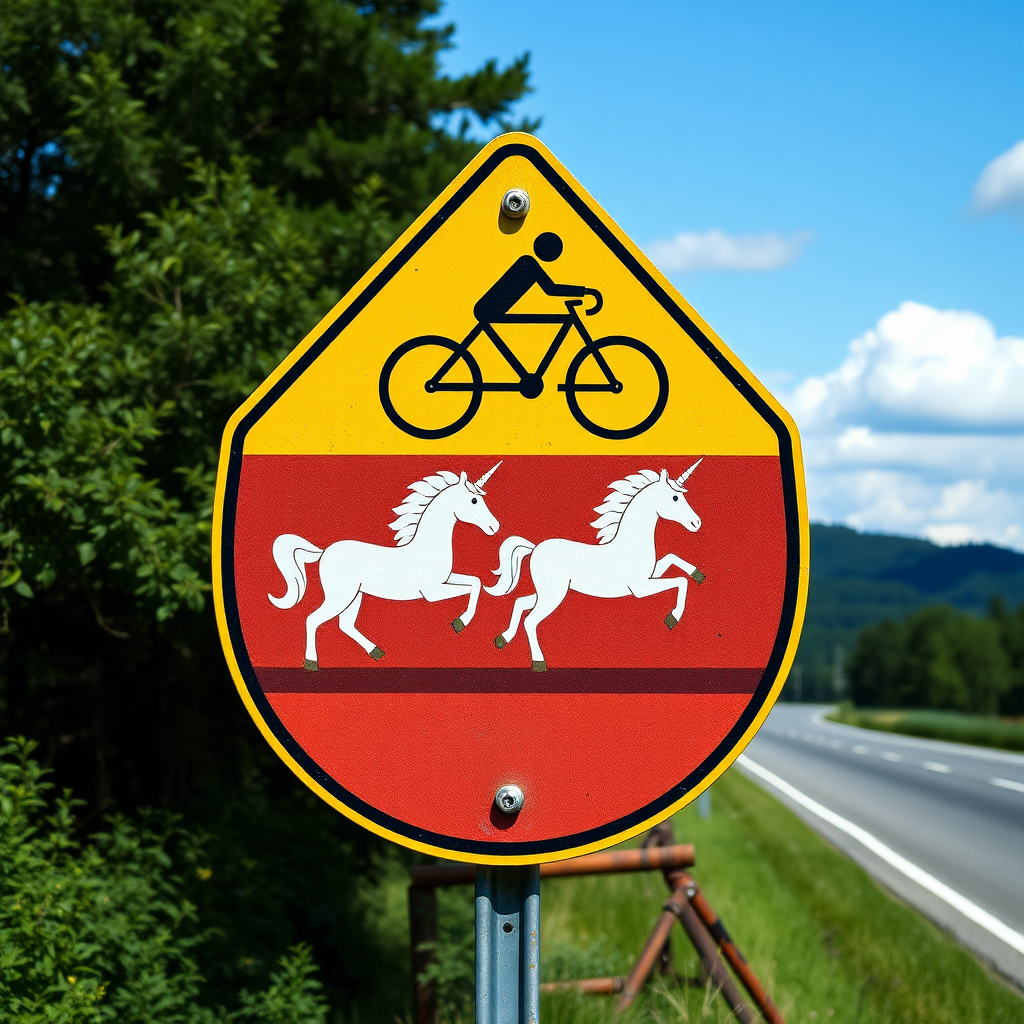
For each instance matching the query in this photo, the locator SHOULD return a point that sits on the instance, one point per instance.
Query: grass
(828, 942)
(937, 725)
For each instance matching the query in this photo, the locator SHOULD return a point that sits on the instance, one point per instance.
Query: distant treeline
(942, 658)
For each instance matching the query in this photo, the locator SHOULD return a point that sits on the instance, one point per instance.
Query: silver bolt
(509, 799)
(515, 203)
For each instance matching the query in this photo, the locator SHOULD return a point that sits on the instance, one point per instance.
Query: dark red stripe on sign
(448, 680)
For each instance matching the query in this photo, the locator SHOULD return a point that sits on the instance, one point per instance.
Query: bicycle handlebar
(595, 308)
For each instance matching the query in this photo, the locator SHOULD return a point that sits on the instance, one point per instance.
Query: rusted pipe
(679, 905)
(591, 986)
(645, 962)
(729, 948)
(662, 858)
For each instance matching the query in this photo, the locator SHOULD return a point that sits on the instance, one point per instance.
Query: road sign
(510, 518)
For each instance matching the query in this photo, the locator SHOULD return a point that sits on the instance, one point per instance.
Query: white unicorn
(420, 566)
(623, 562)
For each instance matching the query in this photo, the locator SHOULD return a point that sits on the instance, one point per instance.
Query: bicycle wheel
(430, 387)
(627, 403)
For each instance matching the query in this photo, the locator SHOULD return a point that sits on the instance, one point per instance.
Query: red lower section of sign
(424, 721)
(570, 753)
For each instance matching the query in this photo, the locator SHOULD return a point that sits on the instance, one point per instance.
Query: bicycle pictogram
(614, 365)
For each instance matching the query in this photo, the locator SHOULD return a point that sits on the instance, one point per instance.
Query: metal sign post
(508, 944)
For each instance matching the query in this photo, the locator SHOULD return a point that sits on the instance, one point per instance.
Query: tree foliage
(185, 188)
(944, 659)
(105, 104)
(109, 417)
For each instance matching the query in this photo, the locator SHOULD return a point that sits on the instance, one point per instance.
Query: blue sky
(851, 133)
(865, 123)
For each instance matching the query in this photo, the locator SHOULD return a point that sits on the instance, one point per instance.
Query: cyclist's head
(548, 246)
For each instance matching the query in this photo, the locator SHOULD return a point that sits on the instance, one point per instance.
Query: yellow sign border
(514, 143)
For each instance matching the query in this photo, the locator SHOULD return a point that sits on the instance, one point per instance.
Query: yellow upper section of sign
(335, 405)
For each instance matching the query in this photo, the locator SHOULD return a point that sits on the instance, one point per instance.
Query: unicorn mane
(421, 494)
(621, 493)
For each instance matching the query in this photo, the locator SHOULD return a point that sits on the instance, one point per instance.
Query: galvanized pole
(508, 945)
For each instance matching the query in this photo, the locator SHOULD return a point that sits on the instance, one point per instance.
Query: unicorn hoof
(376, 654)
(670, 620)
(310, 666)
(500, 641)
(539, 666)
(458, 625)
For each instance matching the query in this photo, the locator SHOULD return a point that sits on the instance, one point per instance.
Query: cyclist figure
(591, 371)
(521, 277)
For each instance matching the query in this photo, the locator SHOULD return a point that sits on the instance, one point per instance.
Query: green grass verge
(828, 942)
(937, 725)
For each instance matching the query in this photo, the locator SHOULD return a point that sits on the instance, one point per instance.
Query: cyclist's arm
(567, 291)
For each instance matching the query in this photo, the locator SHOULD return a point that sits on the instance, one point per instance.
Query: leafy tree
(875, 665)
(937, 658)
(1011, 633)
(110, 422)
(104, 105)
(209, 178)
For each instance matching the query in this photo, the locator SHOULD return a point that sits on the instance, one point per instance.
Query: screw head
(515, 203)
(509, 799)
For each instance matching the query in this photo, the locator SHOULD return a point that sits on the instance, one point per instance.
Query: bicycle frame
(570, 320)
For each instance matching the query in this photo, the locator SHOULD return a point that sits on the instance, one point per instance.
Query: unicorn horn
(487, 476)
(686, 475)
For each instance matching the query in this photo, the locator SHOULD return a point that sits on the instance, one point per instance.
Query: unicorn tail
(514, 551)
(291, 553)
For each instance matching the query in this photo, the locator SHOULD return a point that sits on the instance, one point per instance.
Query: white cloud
(922, 366)
(1001, 184)
(920, 430)
(715, 250)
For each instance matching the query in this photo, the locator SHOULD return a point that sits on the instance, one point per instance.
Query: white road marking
(938, 766)
(1008, 784)
(860, 750)
(970, 910)
(890, 756)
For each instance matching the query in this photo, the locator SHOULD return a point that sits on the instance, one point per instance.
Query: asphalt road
(957, 812)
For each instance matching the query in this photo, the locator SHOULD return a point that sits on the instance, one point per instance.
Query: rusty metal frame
(686, 904)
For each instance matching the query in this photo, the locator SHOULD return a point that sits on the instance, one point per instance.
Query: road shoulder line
(970, 910)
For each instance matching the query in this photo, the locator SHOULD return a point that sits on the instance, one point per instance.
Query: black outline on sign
(790, 504)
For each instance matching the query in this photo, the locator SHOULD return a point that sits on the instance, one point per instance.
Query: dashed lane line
(936, 766)
(969, 909)
(955, 749)
(1008, 784)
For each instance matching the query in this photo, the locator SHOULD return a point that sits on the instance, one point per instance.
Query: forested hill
(858, 579)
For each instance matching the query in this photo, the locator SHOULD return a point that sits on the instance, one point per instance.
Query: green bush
(100, 930)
